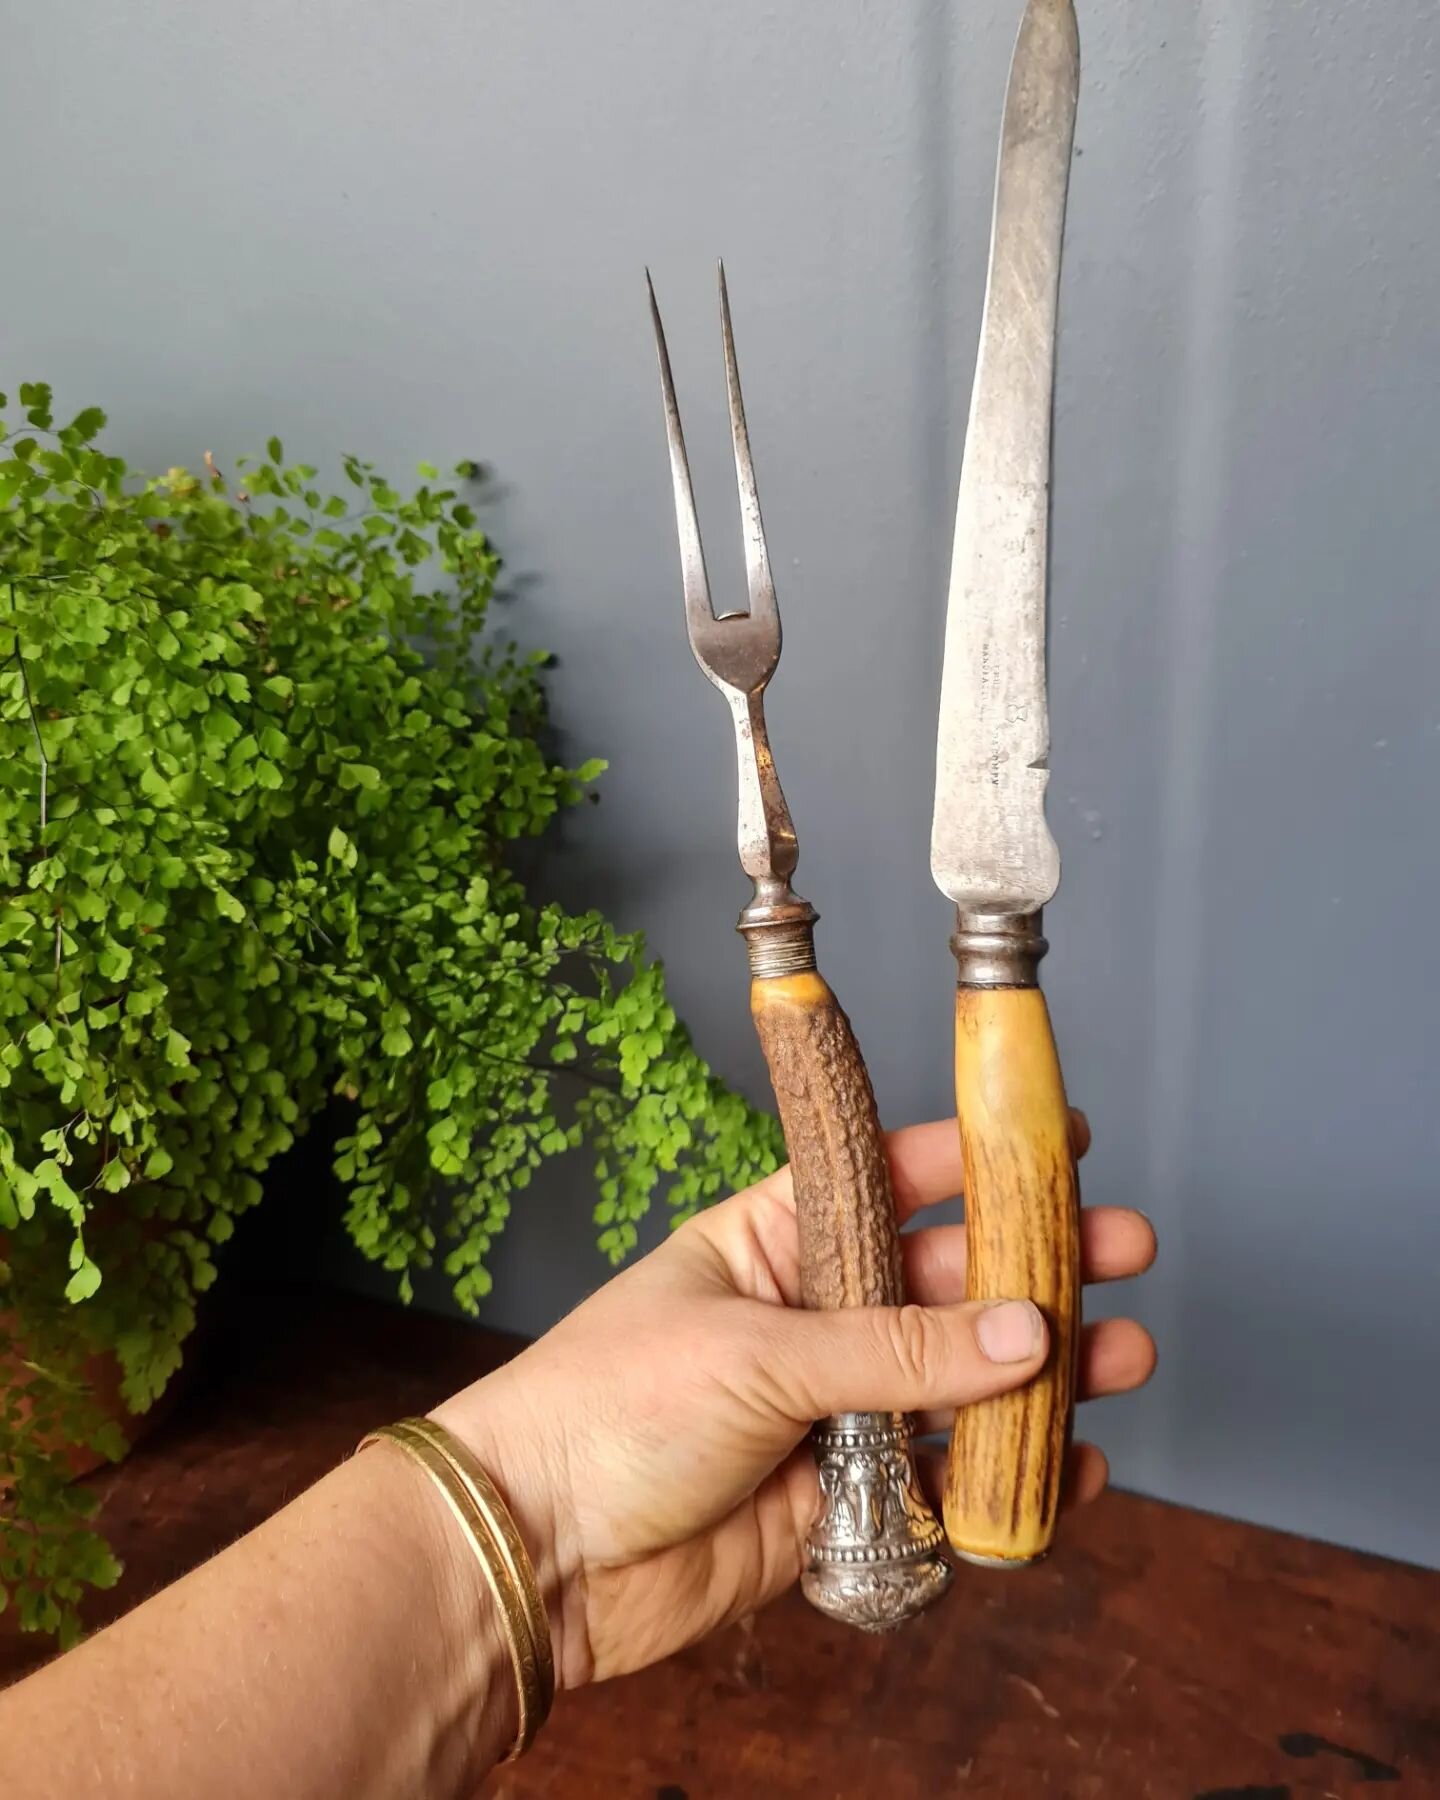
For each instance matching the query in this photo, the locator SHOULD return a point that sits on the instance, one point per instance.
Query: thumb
(907, 1358)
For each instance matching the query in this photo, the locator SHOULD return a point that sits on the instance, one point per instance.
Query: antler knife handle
(1022, 1197)
(875, 1550)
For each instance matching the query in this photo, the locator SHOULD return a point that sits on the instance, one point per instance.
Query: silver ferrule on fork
(779, 936)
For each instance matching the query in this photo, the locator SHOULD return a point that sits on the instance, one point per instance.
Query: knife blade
(992, 852)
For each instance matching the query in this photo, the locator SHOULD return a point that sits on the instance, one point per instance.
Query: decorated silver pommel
(875, 1552)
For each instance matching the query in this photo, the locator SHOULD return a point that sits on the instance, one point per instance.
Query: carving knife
(992, 852)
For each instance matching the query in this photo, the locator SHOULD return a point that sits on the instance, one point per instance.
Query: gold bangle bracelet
(504, 1561)
(507, 1540)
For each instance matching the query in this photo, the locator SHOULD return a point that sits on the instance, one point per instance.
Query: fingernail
(1010, 1331)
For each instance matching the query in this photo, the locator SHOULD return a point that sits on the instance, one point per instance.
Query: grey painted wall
(419, 230)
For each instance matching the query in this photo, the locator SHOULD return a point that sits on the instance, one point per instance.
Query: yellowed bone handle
(1022, 1198)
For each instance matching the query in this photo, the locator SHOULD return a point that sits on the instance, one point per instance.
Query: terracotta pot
(102, 1374)
(269, 1243)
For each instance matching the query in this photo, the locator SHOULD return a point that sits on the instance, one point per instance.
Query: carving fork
(874, 1553)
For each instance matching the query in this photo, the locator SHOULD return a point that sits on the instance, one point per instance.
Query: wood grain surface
(1158, 1653)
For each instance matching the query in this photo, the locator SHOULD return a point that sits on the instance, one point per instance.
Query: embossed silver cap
(876, 1549)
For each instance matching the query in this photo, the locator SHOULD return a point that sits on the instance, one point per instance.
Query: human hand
(652, 1445)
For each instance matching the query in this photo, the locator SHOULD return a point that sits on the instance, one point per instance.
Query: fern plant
(264, 782)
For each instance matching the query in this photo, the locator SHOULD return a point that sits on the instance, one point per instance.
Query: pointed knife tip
(1060, 12)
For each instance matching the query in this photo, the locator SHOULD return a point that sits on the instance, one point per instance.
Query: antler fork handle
(874, 1551)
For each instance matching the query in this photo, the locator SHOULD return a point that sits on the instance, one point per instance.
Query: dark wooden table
(1159, 1653)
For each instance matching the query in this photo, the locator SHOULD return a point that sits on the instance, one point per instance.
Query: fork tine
(763, 607)
(698, 610)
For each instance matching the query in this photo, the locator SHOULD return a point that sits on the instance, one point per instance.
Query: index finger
(925, 1166)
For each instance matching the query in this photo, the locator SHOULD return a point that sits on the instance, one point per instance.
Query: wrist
(464, 1690)
(531, 1480)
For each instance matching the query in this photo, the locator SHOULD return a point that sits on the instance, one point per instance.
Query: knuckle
(917, 1343)
(687, 1234)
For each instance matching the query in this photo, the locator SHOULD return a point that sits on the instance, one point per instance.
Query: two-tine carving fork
(875, 1549)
